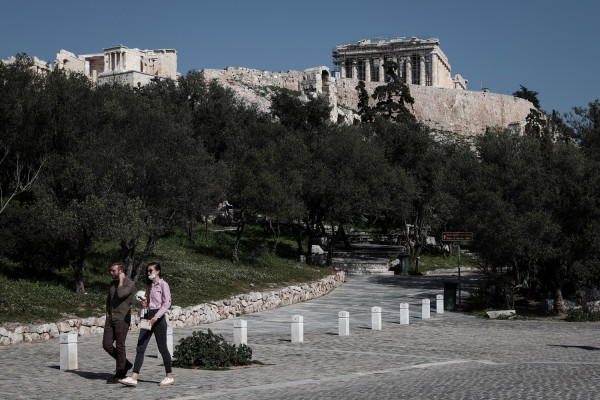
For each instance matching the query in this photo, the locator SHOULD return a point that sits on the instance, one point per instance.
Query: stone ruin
(420, 62)
(442, 101)
(121, 64)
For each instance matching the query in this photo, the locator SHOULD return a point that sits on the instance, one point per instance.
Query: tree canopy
(84, 165)
(527, 94)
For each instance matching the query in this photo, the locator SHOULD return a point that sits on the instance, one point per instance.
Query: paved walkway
(451, 356)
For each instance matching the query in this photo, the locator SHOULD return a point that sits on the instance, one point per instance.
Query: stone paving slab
(451, 356)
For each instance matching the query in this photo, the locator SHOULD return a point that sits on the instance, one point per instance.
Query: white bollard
(68, 351)
(297, 329)
(240, 332)
(403, 313)
(425, 310)
(376, 318)
(344, 323)
(439, 304)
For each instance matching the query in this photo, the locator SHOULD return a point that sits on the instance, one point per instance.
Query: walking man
(118, 318)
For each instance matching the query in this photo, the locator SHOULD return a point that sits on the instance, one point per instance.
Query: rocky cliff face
(461, 111)
(451, 110)
(466, 112)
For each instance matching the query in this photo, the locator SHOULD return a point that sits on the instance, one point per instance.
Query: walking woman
(158, 301)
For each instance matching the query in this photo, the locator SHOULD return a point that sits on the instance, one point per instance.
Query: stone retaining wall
(188, 316)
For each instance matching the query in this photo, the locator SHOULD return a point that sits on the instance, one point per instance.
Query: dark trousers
(116, 331)
(159, 329)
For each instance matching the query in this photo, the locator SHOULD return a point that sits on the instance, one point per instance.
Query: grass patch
(196, 274)
(433, 261)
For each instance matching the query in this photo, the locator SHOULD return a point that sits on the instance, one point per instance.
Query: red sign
(456, 236)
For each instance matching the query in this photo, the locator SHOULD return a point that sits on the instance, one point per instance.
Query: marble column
(408, 62)
(367, 70)
(354, 69)
(422, 78)
(395, 59)
(434, 70)
(342, 69)
(381, 70)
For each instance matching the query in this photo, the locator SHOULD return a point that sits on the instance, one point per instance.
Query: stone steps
(364, 268)
(365, 258)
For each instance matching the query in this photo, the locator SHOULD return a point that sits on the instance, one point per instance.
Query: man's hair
(119, 264)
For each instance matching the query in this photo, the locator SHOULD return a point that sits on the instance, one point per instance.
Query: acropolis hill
(442, 101)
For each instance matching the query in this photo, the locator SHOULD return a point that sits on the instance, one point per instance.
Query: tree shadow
(576, 347)
(423, 282)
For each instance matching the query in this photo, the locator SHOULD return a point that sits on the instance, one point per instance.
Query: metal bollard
(297, 329)
(425, 309)
(240, 332)
(439, 304)
(344, 323)
(68, 351)
(403, 313)
(376, 318)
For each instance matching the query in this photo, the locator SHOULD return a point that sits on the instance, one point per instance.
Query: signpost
(457, 237)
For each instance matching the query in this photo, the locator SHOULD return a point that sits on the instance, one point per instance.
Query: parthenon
(420, 62)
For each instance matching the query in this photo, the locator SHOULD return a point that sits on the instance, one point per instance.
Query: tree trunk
(516, 277)
(332, 245)
(148, 249)
(408, 241)
(276, 233)
(82, 251)
(344, 237)
(191, 224)
(559, 305)
(240, 230)
(127, 254)
(299, 231)
(418, 249)
(79, 287)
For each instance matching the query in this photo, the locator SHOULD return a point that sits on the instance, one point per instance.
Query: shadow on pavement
(92, 375)
(424, 282)
(576, 347)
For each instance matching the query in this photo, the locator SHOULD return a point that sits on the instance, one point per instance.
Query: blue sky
(549, 46)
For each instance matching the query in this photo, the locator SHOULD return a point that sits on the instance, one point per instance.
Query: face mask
(152, 277)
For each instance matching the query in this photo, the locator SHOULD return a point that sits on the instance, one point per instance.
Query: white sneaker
(167, 381)
(128, 381)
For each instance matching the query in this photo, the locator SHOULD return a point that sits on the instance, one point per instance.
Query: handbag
(145, 324)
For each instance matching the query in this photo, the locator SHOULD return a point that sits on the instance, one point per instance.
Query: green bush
(207, 350)
(582, 316)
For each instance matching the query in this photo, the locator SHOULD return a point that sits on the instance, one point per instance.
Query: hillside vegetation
(93, 173)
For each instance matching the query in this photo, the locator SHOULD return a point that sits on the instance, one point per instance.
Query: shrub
(207, 350)
(575, 315)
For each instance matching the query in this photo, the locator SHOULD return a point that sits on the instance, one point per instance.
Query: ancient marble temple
(420, 61)
(121, 64)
